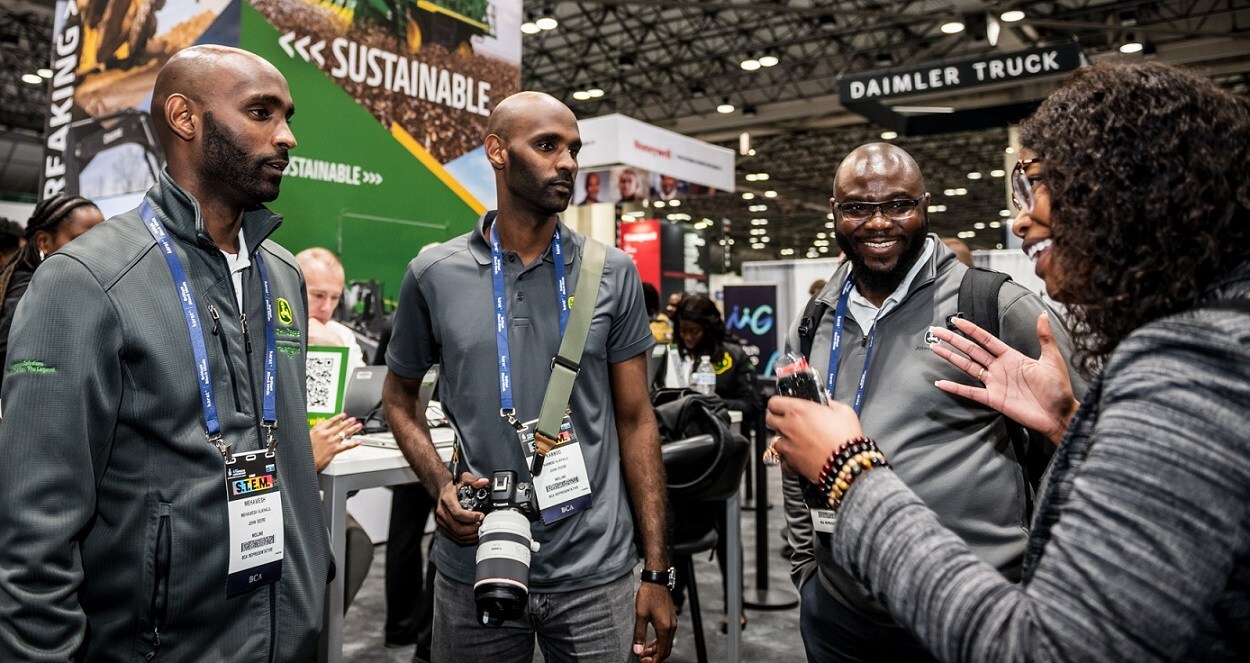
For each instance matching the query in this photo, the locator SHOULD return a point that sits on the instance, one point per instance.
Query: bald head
(882, 162)
(514, 110)
(204, 72)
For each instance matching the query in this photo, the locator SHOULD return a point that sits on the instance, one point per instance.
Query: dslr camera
(501, 586)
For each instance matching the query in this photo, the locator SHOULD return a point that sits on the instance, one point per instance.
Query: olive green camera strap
(567, 362)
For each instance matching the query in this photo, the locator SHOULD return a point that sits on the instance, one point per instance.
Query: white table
(371, 467)
(355, 469)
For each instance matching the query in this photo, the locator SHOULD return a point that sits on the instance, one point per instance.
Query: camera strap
(567, 362)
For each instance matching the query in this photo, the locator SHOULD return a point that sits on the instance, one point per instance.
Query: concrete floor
(771, 636)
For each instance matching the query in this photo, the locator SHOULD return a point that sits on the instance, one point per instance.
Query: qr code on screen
(322, 383)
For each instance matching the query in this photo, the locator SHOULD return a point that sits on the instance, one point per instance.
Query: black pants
(409, 604)
(833, 632)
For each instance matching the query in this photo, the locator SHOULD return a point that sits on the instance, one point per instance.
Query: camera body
(503, 492)
(505, 543)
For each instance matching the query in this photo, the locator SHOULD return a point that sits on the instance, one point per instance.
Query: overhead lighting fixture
(949, 192)
(33, 79)
(1131, 46)
(770, 194)
(744, 143)
(748, 196)
(998, 172)
(725, 107)
(548, 21)
(961, 191)
(1010, 150)
(1011, 16)
(829, 225)
(751, 152)
(762, 177)
(952, 27)
(769, 59)
(750, 177)
(829, 215)
(787, 252)
(750, 63)
(595, 92)
(45, 72)
(658, 203)
(995, 224)
(979, 225)
(975, 175)
(674, 203)
(916, 110)
(1005, 213)
(581, 95)
(529, 27)
(889, 135)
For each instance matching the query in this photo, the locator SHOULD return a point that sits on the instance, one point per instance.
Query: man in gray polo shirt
(584, 603)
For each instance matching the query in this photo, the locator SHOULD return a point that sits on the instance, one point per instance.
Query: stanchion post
(764, 598)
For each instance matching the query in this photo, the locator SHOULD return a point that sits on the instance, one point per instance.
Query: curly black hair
(703, 312)
(1148, 168)
(47, 216)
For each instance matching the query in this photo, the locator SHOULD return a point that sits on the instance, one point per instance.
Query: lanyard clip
(510, 417)
(271, 440)
(218, 441)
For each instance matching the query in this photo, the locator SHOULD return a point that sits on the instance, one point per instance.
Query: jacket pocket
(220, 332)
(162, 550)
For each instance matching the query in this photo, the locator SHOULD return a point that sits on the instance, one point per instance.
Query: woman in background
(55, 222)
(1140, 549)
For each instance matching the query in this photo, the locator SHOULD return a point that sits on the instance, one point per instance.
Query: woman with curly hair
(1140, 549)
(54, 223)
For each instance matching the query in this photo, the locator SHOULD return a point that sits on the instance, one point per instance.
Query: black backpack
(703, 458)
(978, 302)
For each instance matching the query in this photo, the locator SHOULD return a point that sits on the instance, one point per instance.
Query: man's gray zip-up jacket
(113, 521)
(955, 454)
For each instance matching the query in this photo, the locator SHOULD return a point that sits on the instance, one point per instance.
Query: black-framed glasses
(898, 209)
(1022, 184)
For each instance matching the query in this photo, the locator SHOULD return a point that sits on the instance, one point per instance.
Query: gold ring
(981, 376)
(771, 456)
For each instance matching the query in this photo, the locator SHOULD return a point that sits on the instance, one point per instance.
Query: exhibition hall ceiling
(673, 62)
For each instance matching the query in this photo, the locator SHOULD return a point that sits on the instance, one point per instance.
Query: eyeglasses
(898, 209)
(1022, 184)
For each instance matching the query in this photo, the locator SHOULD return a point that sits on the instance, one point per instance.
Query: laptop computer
(363, 400)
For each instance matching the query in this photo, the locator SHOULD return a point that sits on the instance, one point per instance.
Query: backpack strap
(978, 298)
(810, 322)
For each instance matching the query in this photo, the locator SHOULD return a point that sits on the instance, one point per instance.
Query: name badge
(563, 488)
(823, 520)
(255, 512)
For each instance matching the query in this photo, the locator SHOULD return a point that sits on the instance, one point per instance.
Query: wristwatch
(668, 577)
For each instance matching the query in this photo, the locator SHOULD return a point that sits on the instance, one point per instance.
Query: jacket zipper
(225, 350)
(160, 583)
(273, 622)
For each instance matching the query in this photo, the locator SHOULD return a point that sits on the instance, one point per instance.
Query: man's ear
(496, 153)
(181, 117)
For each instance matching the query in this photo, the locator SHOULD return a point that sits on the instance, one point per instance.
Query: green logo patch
(285, 316)
(30, 366)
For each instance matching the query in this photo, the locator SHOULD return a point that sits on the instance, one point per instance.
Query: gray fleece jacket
(113, 521)
(955, 454)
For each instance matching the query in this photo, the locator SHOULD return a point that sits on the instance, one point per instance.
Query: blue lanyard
(835, 349)
(501, 315)
(191, 313)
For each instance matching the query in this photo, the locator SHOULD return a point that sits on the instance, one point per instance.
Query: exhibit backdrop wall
(392, 98)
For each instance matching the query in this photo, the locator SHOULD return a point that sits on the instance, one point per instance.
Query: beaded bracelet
(852, 460)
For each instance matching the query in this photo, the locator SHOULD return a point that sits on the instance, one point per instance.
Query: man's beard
(883, 281)
(228, 164)
(528, 186)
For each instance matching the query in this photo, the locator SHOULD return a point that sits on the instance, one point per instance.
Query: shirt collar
(480, 247)
(865, 311)
(240, 261)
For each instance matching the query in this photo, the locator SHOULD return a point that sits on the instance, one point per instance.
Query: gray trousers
(593, 625)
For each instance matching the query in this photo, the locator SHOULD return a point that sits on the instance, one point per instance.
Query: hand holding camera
(457, 523)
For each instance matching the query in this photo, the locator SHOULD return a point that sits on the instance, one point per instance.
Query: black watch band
(667, 577)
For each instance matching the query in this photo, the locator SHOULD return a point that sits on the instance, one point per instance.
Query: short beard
(883, 282)
(230, 165)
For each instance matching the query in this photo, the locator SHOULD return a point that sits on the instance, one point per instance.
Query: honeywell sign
(614, 140)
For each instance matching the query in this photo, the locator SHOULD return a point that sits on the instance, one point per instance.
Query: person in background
(55, 222)
(960, 249)
(1140, 549)
(324, 276)
(966, 460)
(140, 406)
(661, 326)
(669, 188)
(816, 286)
(592, 189)
(701, 331)
(12, 239)
(628, 186)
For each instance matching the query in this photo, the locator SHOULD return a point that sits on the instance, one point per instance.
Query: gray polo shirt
(446, 316)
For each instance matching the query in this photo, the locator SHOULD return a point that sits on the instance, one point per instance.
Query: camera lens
(503, 566)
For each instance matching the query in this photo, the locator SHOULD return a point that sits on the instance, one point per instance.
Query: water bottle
(796, 379)
(704, 377)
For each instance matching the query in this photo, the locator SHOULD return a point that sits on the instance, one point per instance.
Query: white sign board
(619, 140)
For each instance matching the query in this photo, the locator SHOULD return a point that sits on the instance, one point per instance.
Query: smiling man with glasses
(958, 456)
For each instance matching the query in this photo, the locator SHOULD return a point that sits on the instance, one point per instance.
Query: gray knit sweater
(1141, 546)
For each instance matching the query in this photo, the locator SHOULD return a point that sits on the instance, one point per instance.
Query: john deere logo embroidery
(285, 316)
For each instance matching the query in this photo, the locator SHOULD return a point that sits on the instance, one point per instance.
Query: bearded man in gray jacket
(957, 455)
(157, 491)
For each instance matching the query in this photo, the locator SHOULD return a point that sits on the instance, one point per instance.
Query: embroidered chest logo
(285, 316)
